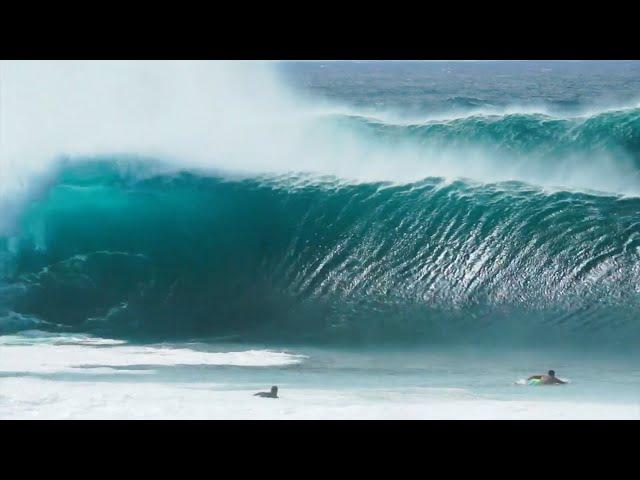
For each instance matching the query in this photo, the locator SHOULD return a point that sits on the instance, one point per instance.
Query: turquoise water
(435, 205)
(480, 373)
(429, 262)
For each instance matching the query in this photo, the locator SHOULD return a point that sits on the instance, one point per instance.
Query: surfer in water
(272, 394)
(548, 379)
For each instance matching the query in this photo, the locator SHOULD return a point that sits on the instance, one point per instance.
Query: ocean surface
(378, 239)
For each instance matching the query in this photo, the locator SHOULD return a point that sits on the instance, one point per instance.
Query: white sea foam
(96, 379)
(38, 399)
(31, 337)
(46, 357)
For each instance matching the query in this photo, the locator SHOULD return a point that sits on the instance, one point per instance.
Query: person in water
(272, 394)
(548, 379)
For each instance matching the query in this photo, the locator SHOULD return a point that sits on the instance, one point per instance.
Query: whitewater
(378, 239)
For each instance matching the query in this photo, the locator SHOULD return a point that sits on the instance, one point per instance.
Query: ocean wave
(616, 132)
(304, 258)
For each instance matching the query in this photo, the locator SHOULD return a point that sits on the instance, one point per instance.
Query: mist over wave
(208, 199)
(240, 117)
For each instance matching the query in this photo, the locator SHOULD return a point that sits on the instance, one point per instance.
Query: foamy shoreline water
(76, 376)
(25, 398)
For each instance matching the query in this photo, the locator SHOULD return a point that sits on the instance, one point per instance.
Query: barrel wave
(114, 246)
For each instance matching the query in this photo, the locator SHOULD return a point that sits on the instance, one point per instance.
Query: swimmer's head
(274, 390)
(551, 373)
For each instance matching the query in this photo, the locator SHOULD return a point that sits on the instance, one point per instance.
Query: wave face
(297, 258)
